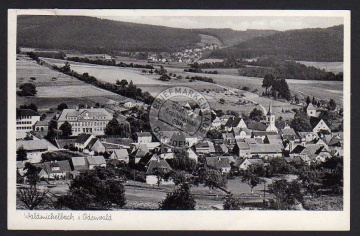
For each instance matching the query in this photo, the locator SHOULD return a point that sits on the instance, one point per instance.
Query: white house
(321, 126)
(25, 121)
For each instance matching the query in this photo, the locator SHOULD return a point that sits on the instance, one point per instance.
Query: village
(79, 139)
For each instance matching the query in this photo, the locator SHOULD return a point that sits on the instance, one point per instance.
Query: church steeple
(270, 120)
(270, 110)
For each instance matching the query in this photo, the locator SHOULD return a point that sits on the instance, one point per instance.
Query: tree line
(109, 63)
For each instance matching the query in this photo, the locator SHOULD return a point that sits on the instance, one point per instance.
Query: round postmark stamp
(179, 115)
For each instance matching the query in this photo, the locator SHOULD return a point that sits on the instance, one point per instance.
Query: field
(228, 86)
(334, 67)
(54, 88)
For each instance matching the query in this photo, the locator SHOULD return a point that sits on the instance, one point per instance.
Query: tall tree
(31, 196)
(287, 194)
(267, 82)
(251, 177)
(180, 199)
(112, 127)
(28, 89)
(256, 114)
(332, 104)
(94, 189)
(21, 154)
(66, 129)
(213, 179)
(62, 106)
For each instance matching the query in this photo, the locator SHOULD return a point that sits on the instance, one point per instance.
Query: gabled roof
(265, 148)
(160, 163)
(96, 160)
(79, 163)
(219, 162)
(92, 142)
(311, 107)
(33, 145)
(255, 125)
(233, 122)
(290, 131)
(121, 153)
(64, 166)
(82, 138)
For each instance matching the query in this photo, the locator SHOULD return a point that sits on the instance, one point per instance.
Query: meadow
(334, 67)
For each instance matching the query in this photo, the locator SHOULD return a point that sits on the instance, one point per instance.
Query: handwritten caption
(67, 216)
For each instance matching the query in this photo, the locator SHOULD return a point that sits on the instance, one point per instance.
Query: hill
(94, 35)
(316, 44)
(230, 37)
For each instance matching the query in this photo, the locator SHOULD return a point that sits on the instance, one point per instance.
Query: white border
(184, 220)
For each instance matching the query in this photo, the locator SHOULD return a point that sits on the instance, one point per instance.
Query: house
(312, 111)
(96, 161)
(144, 137)
(216, 123)
(120, 154)
(139, 152)
(83, 141)
(243, 164)
(224, 119)
(242, 149)
(34, 148)
(57, 169)
(222, 163)
(273, 139)
(228, 137)
(79, 164)
(153, 166)
(25, 121)
(88, 120)
(241, 133)
(266, 150)
(310, 152)
(307, 136)
(319, 126)
(289, 134)
(116, 142)
(42, 126)
(235, 122)
(205, 147)
(96, 145)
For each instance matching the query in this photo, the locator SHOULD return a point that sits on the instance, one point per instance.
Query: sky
(234, 22)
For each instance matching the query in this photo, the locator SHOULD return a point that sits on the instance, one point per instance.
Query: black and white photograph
(232, 119)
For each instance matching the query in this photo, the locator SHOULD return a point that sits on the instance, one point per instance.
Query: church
(270, 120)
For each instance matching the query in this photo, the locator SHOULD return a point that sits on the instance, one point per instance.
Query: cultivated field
(335, 67)
(54, 87)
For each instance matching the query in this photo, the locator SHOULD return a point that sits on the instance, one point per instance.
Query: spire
(270, 109)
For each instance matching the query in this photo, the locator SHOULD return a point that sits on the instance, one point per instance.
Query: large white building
(25, 121)
(89, 120)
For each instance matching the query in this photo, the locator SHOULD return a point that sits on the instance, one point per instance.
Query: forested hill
(318, 44)
(230, 37)
(94, 35)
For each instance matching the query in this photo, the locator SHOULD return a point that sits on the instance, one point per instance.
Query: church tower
(270, 120)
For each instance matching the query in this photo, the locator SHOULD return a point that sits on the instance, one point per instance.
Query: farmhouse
(153, 167)
(242, 149)
(319, 125)
(220, 163)
(96, 161)
(266, 150)
(56, 169)
(83, 141)
(120, 154)
(243, 164)
(90, 121)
